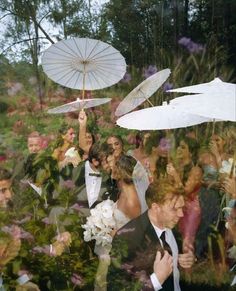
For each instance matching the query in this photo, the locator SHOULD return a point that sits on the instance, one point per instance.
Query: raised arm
(194, 178)
(82, 131)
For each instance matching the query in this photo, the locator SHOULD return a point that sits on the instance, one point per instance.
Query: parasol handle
(213, 126)
(168, 135)
(149, 102)
(146, 98)
(232, 168)
(84, 74)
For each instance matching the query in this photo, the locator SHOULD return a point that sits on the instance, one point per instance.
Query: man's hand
(186, 260)
(82, 118)
(163, 267)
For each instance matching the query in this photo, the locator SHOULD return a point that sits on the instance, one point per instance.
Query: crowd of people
(166, 180)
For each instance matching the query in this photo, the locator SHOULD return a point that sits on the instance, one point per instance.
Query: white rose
(72, 153)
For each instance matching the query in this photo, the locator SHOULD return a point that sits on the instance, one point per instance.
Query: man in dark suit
(144, 252)
(92, 179)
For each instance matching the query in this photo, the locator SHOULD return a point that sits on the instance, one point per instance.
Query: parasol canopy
(83, 63)
(159, 117)
(78, 104)
(215, 86)
(219, 106)
(142, 92)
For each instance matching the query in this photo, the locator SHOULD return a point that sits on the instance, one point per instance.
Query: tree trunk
(185, 24)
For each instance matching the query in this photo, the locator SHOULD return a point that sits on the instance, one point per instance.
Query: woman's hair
(153, 141)
(193, 147)
(124, 167)
(95, 152)
(93, 137)
(62, 131)
(160, 167)
(229, 136)
(117, 137)
(139, 137)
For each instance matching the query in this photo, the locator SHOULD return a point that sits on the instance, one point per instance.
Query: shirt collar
(89, 169)
(158, 230)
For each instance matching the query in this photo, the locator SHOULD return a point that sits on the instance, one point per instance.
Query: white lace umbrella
(79, 104)
(159, 117)
(142, 92)
(83, 63)
(215, 86)
(219, 106)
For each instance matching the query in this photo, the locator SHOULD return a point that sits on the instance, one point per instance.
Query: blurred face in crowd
(70, 135)
(5, 192)
(219, 141)
(34, 144)
(183, 152)
(116, 144)
(164, 147)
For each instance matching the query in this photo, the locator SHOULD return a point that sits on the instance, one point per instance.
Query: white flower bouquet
(100, 223)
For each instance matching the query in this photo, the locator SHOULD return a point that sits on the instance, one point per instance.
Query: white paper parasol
(159, 117)
(142, 92)
(83, 63)
(78, 105)
(215, 86)
(220, 106)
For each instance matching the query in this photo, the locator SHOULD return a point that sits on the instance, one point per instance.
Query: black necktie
(166, 246)
(169, 283)
(95, 174)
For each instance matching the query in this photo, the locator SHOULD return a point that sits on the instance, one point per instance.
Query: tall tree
(24, 27)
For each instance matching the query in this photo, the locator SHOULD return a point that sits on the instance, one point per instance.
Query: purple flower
(194, 47)
(76, 279)
(191, 46)
(46, 220)
(26, 235)
(47, 250)
(22, 221)
(76, 207)
(38, 250)
(184, 41)
(167, 86)
(68, 184)
(13, 230)
(152, 69)
(127, 78)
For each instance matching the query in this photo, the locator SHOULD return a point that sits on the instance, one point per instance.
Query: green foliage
(49, 272)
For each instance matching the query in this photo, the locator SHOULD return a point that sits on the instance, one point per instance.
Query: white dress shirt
(170, 239)
(93, 184)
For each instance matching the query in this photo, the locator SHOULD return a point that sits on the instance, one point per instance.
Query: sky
(96, 4)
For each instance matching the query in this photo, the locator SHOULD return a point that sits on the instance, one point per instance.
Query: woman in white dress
(128, 204)
(126, 208)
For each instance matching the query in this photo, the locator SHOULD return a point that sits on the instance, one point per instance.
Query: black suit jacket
(77, 175)
(133, 254)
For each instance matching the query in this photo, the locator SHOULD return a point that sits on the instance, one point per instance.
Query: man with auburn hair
(144, 252)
